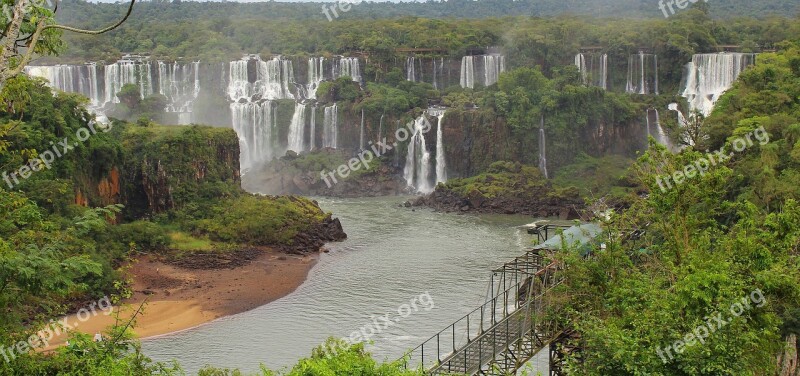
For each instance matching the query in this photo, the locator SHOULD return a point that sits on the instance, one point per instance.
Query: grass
(182, 241)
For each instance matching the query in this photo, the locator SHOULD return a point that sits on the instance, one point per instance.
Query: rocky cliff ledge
(506, 188)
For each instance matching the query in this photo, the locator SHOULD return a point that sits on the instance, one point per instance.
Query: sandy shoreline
(182, 298)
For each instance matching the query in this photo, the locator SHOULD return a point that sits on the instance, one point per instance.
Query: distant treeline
(220, 31)
(177, 10)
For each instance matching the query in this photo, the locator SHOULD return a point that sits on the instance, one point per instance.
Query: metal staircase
(512, 326)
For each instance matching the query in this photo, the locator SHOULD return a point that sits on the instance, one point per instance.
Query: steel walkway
(512, 326)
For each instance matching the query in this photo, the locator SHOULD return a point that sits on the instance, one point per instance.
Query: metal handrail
(524, 310)
(491, 305)
(493, 320)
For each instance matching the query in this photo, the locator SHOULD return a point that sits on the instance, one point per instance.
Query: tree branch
(94, 32)
(15, 23)
(31, 47)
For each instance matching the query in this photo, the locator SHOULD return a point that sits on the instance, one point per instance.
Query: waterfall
(411, 74)
(254, 123)
(348, 67)
(542, 149)
(441, 162)
(313, 129)
(468, 72)
(316, 74)
(239, 86)
(180, 84)
(252, 112)
(297, 129)
(361, 144)
(436, 73)
(330, 127)
(682, 121)
(274, 79)
(642, 74)
(126, 72)
(708, 76)
(594, 70)
(418, 159)
(82, 79)
(580, 62)
(660, 135)
(493, 65)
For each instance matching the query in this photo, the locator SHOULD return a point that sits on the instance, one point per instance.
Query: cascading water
(468, 72)
(313, 129)
(438, 67)
(418, 158)
(83, 79)
(316, 74)
(252, 109)
(180, 84)
(254, 123)
(297, 129)
(411, 74)
(708, 76)
(660, 135)
(348, 67)
(542, 149)
(239, 86)
(441, 162)
(642, 74)
(330, 127)
(593, 68)
(493, 65)
(682, 122)
(127, 71)
(274, 79)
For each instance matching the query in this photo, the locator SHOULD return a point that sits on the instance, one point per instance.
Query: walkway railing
(466, 329)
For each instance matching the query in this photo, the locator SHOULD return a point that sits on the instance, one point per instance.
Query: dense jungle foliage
(705, 244)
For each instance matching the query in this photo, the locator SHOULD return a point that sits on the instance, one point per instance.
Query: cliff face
(192, 172)
(166, 167)
(473, 139)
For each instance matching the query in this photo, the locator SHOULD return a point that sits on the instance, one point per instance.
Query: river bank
(390, 256)
(184, 297)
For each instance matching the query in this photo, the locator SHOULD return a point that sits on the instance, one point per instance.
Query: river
(391, 256)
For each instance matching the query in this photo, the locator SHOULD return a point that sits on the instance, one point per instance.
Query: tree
(29, 28)
(130, 96)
